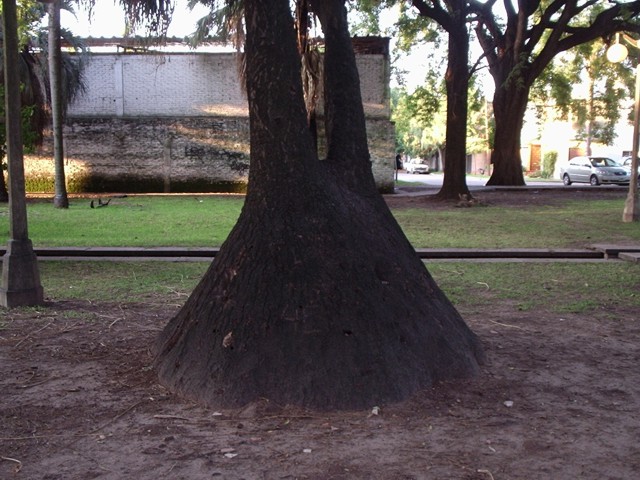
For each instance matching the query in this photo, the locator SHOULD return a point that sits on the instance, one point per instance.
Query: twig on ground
(171, 417)
(29, 385)
(33, 333)
(18, 467)
(506, 325)
(176, 292)
(124, 412)
(486, 472)
(115, 321)
(37, 437)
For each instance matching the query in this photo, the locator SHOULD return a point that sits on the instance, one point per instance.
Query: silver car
(594, 170)
(626, 163)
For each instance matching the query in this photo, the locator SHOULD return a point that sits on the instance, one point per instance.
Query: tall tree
(316, 298)
(26, 16)
(60, 198)
(452, 16)
(34, 69)
(519, 47)
(20, 282)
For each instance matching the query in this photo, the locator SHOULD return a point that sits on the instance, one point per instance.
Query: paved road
(434, 180)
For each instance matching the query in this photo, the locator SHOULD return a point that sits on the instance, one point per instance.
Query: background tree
(435, 16)
(316, 298)
(60, 199)
(29, 138)
(452, 17)
(34, 73)
(420, 120)
(31, 92)
(584, 84)
(521, 45)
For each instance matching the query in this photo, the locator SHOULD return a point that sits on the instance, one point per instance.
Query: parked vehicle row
(595, 170)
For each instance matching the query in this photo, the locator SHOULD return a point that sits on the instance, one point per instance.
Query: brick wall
(179, 122)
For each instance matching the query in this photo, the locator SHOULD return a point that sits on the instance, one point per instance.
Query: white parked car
(594, 170)
(416, 165)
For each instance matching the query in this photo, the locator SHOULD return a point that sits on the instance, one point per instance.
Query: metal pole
(631, 212)
(20, 276)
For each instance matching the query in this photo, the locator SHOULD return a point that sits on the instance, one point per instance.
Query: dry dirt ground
(558, 398)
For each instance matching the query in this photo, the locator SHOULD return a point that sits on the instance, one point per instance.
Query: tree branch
(435, 12)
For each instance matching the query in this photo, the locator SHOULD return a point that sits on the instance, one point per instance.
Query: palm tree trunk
(60, 199)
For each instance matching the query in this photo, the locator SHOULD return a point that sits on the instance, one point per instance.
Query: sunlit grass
(146, 221)
(205, 221)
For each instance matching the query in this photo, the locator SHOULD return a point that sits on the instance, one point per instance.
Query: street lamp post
(20, 276)
(631, 213)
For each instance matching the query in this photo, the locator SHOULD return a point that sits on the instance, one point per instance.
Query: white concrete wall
(192, 84)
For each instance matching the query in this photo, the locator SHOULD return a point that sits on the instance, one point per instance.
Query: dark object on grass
(100, 203)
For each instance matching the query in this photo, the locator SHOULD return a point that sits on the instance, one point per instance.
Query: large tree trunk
(316, 298)
(509, 106)
(454, 184)
(345, 125)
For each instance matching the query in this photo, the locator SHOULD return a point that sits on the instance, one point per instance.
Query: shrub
(549, 164)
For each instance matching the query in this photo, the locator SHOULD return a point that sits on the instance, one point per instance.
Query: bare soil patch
(559, 397)
(504, 197)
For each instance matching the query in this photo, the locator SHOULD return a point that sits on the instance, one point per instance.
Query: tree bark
(345, 125)
(316, 298)
(454, 183)
(452, 16)
(60, 198)
(509, 106)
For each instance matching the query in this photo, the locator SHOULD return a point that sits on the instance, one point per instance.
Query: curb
(114, 253)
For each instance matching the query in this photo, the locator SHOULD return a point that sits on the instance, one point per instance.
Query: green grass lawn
(144, 221)
(575, 224)
(559, 287)
(205, 221)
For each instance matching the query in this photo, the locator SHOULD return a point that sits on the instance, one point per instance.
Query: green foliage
(364, 17)
(549, 160)
(595, 106)
(29, 15)
(34, 69)
(30, 138)
(223, 23)
(420, 118)
(480, 121)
